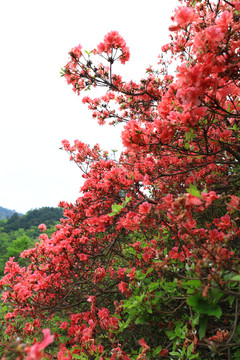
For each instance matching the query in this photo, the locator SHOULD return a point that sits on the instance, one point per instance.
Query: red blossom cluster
(147, 256)
(114, 41)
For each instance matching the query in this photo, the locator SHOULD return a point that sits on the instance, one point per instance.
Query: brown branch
(232, 152)
(229, 3)
(209, 4)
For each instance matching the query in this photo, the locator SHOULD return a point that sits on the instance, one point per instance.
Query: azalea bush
(145, 264)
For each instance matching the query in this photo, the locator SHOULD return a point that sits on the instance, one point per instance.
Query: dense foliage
(146, 263)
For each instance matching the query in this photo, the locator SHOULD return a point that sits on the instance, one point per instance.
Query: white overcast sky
(38, 109)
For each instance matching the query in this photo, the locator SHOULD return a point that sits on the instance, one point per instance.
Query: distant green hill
(19, 232)
(6, 213)
(47, 215)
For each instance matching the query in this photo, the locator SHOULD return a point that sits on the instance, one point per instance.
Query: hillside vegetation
(6, 213)
(20, 232)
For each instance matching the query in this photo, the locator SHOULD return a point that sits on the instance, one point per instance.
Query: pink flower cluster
(114, 41)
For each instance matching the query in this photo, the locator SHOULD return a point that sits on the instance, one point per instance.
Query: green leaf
(205, 189)
(117, 208)
(153, 286)
(124, 325)
(127, 200)
(188, 135)
(62, 72)
(237, 355)
(202, 326)
(157, 351)
(140, 275)
(189, 350)
(231, 300)
(193, 283)
(63, 339)
(131, 250)
(81, 357)
(140, 320)
(237, 330)
(216, 295)
(228, 276)
(195, 320)
(194, 191)
(174, 353)
(150, 270)
(202, 306)
(235, 278)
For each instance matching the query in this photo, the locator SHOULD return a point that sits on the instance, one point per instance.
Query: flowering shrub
(145, 264)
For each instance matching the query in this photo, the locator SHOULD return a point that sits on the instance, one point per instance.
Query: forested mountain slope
(6, 213)
(20, 232)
